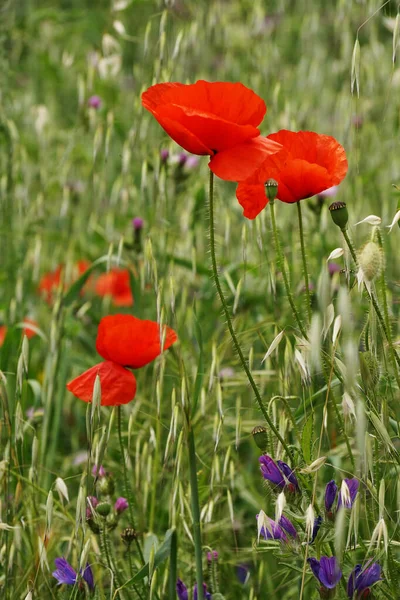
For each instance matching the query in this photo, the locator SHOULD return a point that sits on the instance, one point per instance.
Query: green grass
(72, 179)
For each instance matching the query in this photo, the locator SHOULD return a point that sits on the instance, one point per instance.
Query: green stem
(303, 256)
(283, 271)
(393, 354)
(194, 493)
(230, 326)
(155, 473)
(126, 484)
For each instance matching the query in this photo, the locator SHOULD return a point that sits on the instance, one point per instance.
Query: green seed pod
(128, 535)
(260, 437)
(370, 260)
(271, 189)
(339, 214)
(103, 508)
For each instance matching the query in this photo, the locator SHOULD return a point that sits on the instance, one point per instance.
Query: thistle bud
(106, 486)
(103, 508)
(271, 189)
(339, 214)
(371, 261)
(260, 437)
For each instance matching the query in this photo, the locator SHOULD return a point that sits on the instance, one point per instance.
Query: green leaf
(164, 551)
(306, 439)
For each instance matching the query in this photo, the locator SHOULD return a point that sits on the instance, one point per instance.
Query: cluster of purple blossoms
(327, 571)
(182, 591)
(331, 491)
(64, 573)
(183, 159)
(279, 474)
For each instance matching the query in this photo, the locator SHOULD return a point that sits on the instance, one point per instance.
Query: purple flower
(99, 472)
(192, 161)
(316, 528)
(120, 505)
(290, 476)
(270, 471)
(137, 223)
(206, 595)
(353, 485)
(181, 590)
(243, 573)
(182, 158)
(66, 574)
(93, 503)
(333, 268)
(274, 531)
(326, 570)
(94, 102)
(330, 192)
(288, 526)
(212, 556)
(330, 495)
(360, 580)
(164, 155)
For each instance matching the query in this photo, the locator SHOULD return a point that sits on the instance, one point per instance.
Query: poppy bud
(271, 189)
(103, 508)
(339, 214)
(371, 261)
(260, 437)
(128, 535)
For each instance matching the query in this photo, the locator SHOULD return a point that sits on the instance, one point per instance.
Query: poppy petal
(115, 283)
(118, 385)
(130, 341)
(252, 198)
(244, 160)
(205, 117)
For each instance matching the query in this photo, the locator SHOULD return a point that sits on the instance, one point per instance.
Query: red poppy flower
(3, 333)
(130, 341)
(308, 164)
(116, 283)
(51, 280)
(28, 331)
(118, 385)
(206, 117)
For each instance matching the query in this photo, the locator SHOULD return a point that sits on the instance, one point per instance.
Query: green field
(80, 158)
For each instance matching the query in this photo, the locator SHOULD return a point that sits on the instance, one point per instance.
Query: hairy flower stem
(303, 256)
(392, 352)
(105, 550)
(194, 493)
(230, 326)
(126, 483)
(283, 271)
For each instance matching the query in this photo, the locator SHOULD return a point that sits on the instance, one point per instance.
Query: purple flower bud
(361, 580)
(353, 485)
(92, 501)
(206, 595)
(330, 495)
(316, 528)
(181, 590)
(88, 576)
(182, 158)
(288, 526)
(120, 505)
(270, 471)
(293, 485)
(326, 570)
(137, 223)
(212, 556)
(100, 472)
(164, 155)
(333, 268)
(94, 102)
(243, 573)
